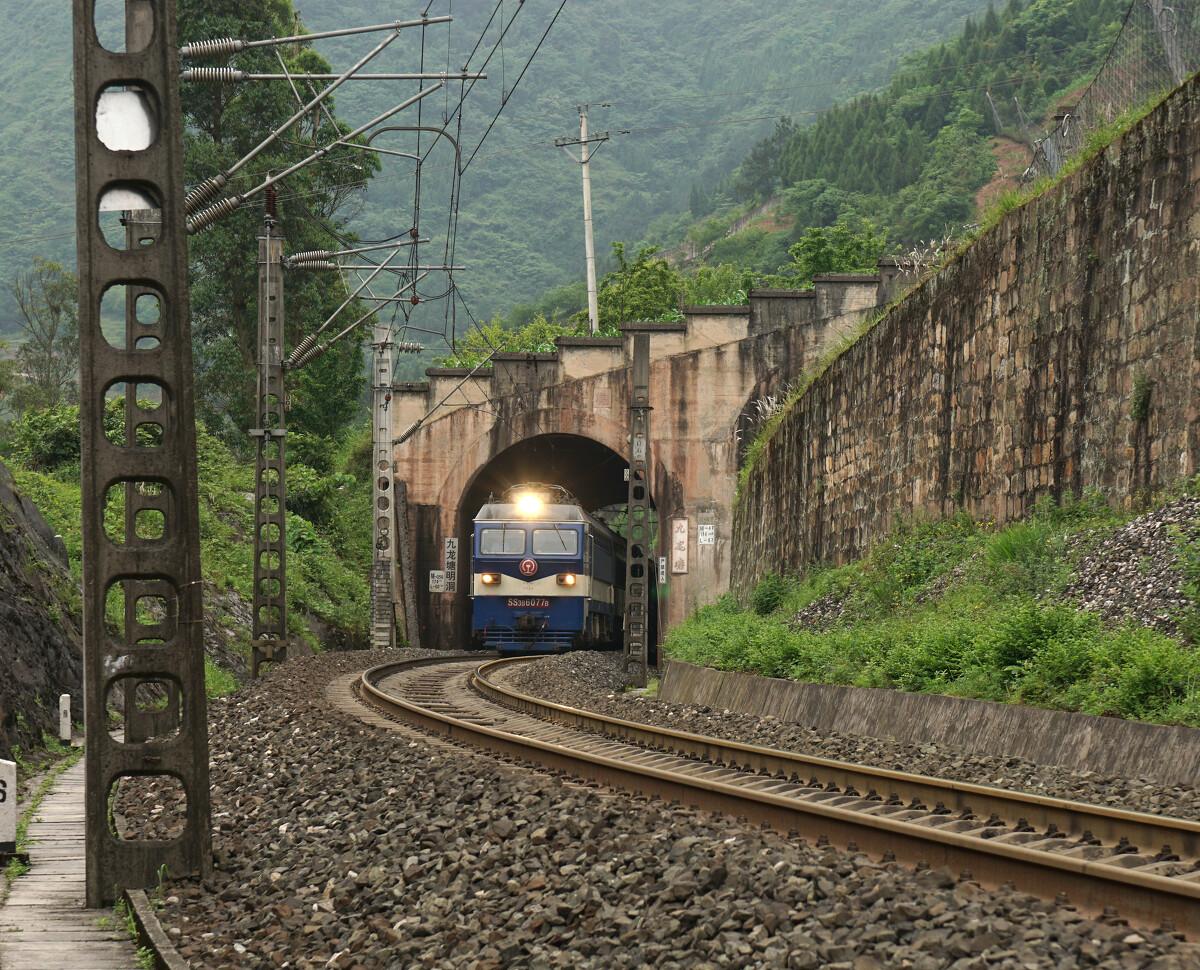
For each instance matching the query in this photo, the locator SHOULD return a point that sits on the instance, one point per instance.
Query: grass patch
(218, 682)
(958, 607)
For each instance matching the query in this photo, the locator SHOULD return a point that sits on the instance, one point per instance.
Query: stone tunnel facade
(707, 372)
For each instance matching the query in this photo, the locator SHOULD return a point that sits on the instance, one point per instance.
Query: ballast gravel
(594, 681)
(1135, 573)
(344, 845)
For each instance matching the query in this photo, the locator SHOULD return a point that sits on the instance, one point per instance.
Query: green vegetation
(957, 607)
(329, 522)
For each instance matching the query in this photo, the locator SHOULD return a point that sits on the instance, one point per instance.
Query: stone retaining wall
(1107, 746)
(1061, 353)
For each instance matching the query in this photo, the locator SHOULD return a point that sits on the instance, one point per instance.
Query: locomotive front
(543, 574)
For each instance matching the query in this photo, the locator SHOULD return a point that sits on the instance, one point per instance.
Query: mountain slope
(685, 77)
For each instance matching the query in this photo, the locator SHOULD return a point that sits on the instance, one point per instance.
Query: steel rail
(1091, 885)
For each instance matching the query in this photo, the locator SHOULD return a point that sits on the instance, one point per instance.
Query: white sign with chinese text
(662, 570)
(451, 565)
(437, 581)
(706, 534)
(679, 546)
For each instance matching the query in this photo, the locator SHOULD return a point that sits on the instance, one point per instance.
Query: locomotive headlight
(566, 579)
(490, 579)
(529, 505)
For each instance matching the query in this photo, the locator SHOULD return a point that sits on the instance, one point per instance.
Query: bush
(769, 594)
(46, 440)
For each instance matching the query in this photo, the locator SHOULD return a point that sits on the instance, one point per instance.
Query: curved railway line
(1096, 857)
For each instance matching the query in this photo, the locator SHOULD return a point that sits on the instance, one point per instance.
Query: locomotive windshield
(502, 542)
(555, 542)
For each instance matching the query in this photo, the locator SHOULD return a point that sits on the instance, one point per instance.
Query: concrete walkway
(43, 925)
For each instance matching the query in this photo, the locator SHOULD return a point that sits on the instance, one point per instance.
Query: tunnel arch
(591, 470)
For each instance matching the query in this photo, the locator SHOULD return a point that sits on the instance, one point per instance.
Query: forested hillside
(910, 165)
(693, 81)
(913, 156)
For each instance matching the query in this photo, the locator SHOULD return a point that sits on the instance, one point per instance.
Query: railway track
(1098, 858)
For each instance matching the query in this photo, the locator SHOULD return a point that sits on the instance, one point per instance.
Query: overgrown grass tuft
(957, 607)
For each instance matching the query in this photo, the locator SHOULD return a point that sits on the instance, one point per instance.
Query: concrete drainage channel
(1048, 847)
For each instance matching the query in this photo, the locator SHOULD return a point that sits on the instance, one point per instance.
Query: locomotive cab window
(555, 542)
(502, 542)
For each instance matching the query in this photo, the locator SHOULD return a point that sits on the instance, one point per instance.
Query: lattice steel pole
(122, 167)
(383, 574)
(637, 569)
(270, 481)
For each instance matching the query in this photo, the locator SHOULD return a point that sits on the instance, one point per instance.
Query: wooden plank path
(43, 925)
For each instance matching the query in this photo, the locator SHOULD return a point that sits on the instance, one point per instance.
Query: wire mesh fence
(1157, 49)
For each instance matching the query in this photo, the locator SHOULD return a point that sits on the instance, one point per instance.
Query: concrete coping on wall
(1080, 742)
(715, 311)
(525, 358)
(864, 279)
(598, 342)
(653, 326)
(783, 294)
(483, 372)
(411, 387)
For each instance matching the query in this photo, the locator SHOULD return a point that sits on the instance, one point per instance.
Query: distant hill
(695, 82)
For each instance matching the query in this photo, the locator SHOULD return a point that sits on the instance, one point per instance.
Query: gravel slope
(593, 681)
(342, 845)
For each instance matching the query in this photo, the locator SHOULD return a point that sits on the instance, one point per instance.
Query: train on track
(546, 576)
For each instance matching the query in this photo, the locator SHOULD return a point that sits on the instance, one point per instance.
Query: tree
(47, 360)
(223, 123)
(644, 289)
(845, 247)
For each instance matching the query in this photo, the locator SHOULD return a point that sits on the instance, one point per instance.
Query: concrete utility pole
(637, 559)
(585, 142)
(270, 470)
(383, 575)
(142, 227)
(130, 157)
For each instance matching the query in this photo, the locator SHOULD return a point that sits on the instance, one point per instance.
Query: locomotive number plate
(529, 604)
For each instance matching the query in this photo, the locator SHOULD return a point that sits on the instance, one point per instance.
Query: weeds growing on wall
(957, 607)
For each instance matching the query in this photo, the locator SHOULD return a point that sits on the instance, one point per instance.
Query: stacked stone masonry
(1059, 354)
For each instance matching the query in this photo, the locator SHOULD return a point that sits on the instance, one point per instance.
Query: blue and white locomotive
(546, 576)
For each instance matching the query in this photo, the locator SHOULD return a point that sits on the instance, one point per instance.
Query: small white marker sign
(706, 532)
(64, 718)
(662, 570)
(8, 806)
(437, 581)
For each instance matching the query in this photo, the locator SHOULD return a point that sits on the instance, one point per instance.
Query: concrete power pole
(585, 142)
(155, 555)
(637, 558)
(270, 482)
(383, 573)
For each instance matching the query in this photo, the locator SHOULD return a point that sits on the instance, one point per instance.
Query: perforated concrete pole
(119, 168)
(383, 511)
(270, 639)
(637, 568)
